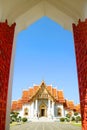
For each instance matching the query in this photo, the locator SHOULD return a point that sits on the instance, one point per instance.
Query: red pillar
(6, 42)
(80, 40)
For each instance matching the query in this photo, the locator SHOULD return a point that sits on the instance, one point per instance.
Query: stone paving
(45, 126)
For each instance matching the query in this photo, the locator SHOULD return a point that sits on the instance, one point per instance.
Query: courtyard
(45, 126)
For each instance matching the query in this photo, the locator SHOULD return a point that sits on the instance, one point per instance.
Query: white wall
(22, 111)
(31, 107)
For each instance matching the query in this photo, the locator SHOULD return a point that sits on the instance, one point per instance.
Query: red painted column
(80, 40)
(6, 42)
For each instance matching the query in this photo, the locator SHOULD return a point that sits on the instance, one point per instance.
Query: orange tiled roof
(28, 94)
(16, 105)
(60, 96)
(49, 88)
(36, 88)
(54, 92)
(69, 104)
(57, 94)
(13, 106)
(77, 108)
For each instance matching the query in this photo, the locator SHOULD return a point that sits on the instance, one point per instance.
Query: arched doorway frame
(78, 35)
(43, 109)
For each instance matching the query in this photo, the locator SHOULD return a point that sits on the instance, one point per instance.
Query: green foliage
(19, 119)
(67, 119)
(75, 113)
(78, 118)
(68, 115)
(14, 116)
(62, 119)
(24, 119)
(73, 118)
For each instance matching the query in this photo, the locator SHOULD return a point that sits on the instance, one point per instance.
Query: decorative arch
(43, 110)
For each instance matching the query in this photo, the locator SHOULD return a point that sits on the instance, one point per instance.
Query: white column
(32, 110)
(49, 108)
(36, 107)
(52, 108)
(36, 104)
(62, 110)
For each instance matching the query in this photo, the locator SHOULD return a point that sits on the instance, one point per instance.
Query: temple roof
(36, 91)
(77, 108)
(69, 104)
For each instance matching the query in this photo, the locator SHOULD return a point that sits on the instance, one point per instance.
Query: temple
(43, 101)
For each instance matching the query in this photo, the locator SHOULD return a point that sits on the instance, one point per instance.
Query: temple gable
(43, 93)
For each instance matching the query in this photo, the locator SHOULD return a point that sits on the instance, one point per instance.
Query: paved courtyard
(45, 126)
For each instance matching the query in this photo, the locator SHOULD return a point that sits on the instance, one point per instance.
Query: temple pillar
(31, 113)
(80, 41)
(36, 106)
(53, 108)
(6, 44)
(49, 110)
(32, 109)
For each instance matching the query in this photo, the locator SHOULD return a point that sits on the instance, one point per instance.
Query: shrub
(78, 118)
(68, 115)
(73, 118)
(14, 116)
(24, 119)
(75, 113)
(62, 119)
(67, 119)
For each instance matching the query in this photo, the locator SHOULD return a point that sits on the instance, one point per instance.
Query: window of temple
(26, 111)
(59, 112)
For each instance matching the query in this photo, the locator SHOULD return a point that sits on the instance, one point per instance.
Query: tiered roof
(69, 105)
(77, 108)
(27, 96)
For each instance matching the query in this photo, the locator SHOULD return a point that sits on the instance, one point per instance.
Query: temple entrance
(43, 110)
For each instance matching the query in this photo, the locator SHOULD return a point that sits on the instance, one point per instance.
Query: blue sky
(45, 51)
